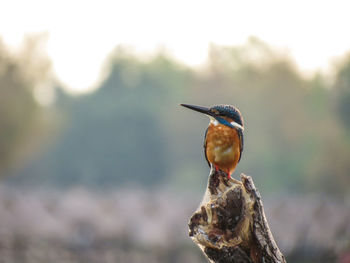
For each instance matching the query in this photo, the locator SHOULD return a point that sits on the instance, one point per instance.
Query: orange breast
(223, 147)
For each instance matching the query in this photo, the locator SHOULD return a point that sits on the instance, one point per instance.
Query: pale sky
(82, 33)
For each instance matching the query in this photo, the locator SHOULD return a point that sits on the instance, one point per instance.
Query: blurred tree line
(131, 129)
(22, 119)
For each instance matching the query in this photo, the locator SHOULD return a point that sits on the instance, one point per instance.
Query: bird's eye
(215, 111)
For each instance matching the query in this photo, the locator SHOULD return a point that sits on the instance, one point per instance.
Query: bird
(223, 140)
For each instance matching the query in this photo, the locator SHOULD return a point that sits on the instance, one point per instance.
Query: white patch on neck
(236, 125)
(214, 121)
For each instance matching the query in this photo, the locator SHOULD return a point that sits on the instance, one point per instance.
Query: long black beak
(208, 112)
(201, 109)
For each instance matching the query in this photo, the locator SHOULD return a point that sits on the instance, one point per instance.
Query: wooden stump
(230, 223)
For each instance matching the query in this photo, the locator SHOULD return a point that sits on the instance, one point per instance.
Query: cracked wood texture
(230, 223)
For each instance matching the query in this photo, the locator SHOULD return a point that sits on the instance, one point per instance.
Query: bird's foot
(228, 174)
(216, 168)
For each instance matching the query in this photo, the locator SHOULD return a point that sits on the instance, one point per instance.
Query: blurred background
(98, 163)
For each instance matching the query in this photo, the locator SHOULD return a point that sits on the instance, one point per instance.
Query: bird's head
(221, 114)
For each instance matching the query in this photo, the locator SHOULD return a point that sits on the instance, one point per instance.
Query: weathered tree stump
(230, 223)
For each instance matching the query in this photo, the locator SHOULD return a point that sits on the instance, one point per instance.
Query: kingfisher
(223, 140)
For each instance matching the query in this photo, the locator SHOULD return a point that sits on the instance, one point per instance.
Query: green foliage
(114, 135)
(132, 129)
(19, 111)
(342, 88)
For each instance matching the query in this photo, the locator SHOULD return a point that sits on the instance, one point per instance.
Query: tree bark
(230, 223)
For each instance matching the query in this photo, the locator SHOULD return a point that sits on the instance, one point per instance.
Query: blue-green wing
(240, 135)
(205, 146)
